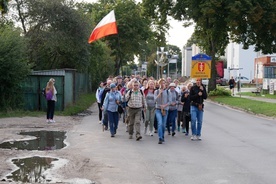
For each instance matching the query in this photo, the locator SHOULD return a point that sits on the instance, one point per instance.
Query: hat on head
(112, 85)
(119, 77)
(172, 85)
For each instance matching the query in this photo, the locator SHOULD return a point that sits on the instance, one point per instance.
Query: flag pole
(119, 54)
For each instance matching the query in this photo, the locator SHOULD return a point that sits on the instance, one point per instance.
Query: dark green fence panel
(31, 95)
(68, 88)
(69, 85)
(81, 84)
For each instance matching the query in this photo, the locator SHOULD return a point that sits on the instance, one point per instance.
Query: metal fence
(69, 85)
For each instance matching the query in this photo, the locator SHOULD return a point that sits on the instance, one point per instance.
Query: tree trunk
(212, 52)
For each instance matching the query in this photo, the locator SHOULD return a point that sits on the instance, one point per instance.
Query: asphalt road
(236, 148)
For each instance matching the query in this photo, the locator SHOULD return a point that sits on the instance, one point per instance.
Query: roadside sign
(201, 66)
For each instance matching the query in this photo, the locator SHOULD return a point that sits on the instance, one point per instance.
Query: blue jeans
(113, 118)
(171, 120)
(196, 120)
(105, 118)
(161, 122)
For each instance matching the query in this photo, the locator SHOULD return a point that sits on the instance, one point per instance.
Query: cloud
(178, 35)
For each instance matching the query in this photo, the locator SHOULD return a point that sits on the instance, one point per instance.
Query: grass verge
(253, 106)
(84, 102)
(254, 95)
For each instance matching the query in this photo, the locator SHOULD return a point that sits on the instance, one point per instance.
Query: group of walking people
(160, 104)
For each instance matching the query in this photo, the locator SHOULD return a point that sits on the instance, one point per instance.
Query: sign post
(201, 66)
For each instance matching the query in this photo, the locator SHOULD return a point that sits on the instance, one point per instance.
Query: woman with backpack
(110, 105)
(51, 100)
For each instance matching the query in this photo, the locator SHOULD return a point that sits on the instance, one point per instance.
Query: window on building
(270, 72)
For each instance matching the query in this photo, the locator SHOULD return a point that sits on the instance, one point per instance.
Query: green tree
(134, 29)
(217, 20)
(13, 66)
(4, 6)
(101, 63)
(253, 23)
(57, 35)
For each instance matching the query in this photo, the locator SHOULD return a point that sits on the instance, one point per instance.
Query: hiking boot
(138, 138)
(130, 137)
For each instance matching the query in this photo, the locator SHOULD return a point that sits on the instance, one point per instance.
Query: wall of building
(240, 61)
(186, 61)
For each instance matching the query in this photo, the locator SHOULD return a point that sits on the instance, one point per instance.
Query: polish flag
(106, 27)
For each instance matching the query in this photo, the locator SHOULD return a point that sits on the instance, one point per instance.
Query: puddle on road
(31, 170)
(45, 140)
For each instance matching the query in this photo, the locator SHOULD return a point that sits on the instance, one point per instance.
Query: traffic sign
(201, 66)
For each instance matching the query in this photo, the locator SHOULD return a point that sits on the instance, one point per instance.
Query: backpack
(130, 92)
(49, 95)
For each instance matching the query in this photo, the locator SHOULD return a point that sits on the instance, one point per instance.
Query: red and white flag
(107, 26)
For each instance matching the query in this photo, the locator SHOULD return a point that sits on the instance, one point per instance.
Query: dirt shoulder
(9, 131)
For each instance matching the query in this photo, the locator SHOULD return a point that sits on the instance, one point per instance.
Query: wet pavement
(31, 170)
(43, 140)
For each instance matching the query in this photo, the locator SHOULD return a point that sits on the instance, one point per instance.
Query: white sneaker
(100, 122)
(150, 133)
(198, 138)
(47, 121)
(193, 137)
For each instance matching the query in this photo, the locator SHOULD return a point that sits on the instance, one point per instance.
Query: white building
(186, 61)
(240, 61)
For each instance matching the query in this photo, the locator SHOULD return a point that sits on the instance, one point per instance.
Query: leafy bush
(220, 91)
(13, 66)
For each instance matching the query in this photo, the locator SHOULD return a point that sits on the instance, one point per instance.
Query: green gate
(34, 99)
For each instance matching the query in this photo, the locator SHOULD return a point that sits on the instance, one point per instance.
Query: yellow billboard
(201, 66)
